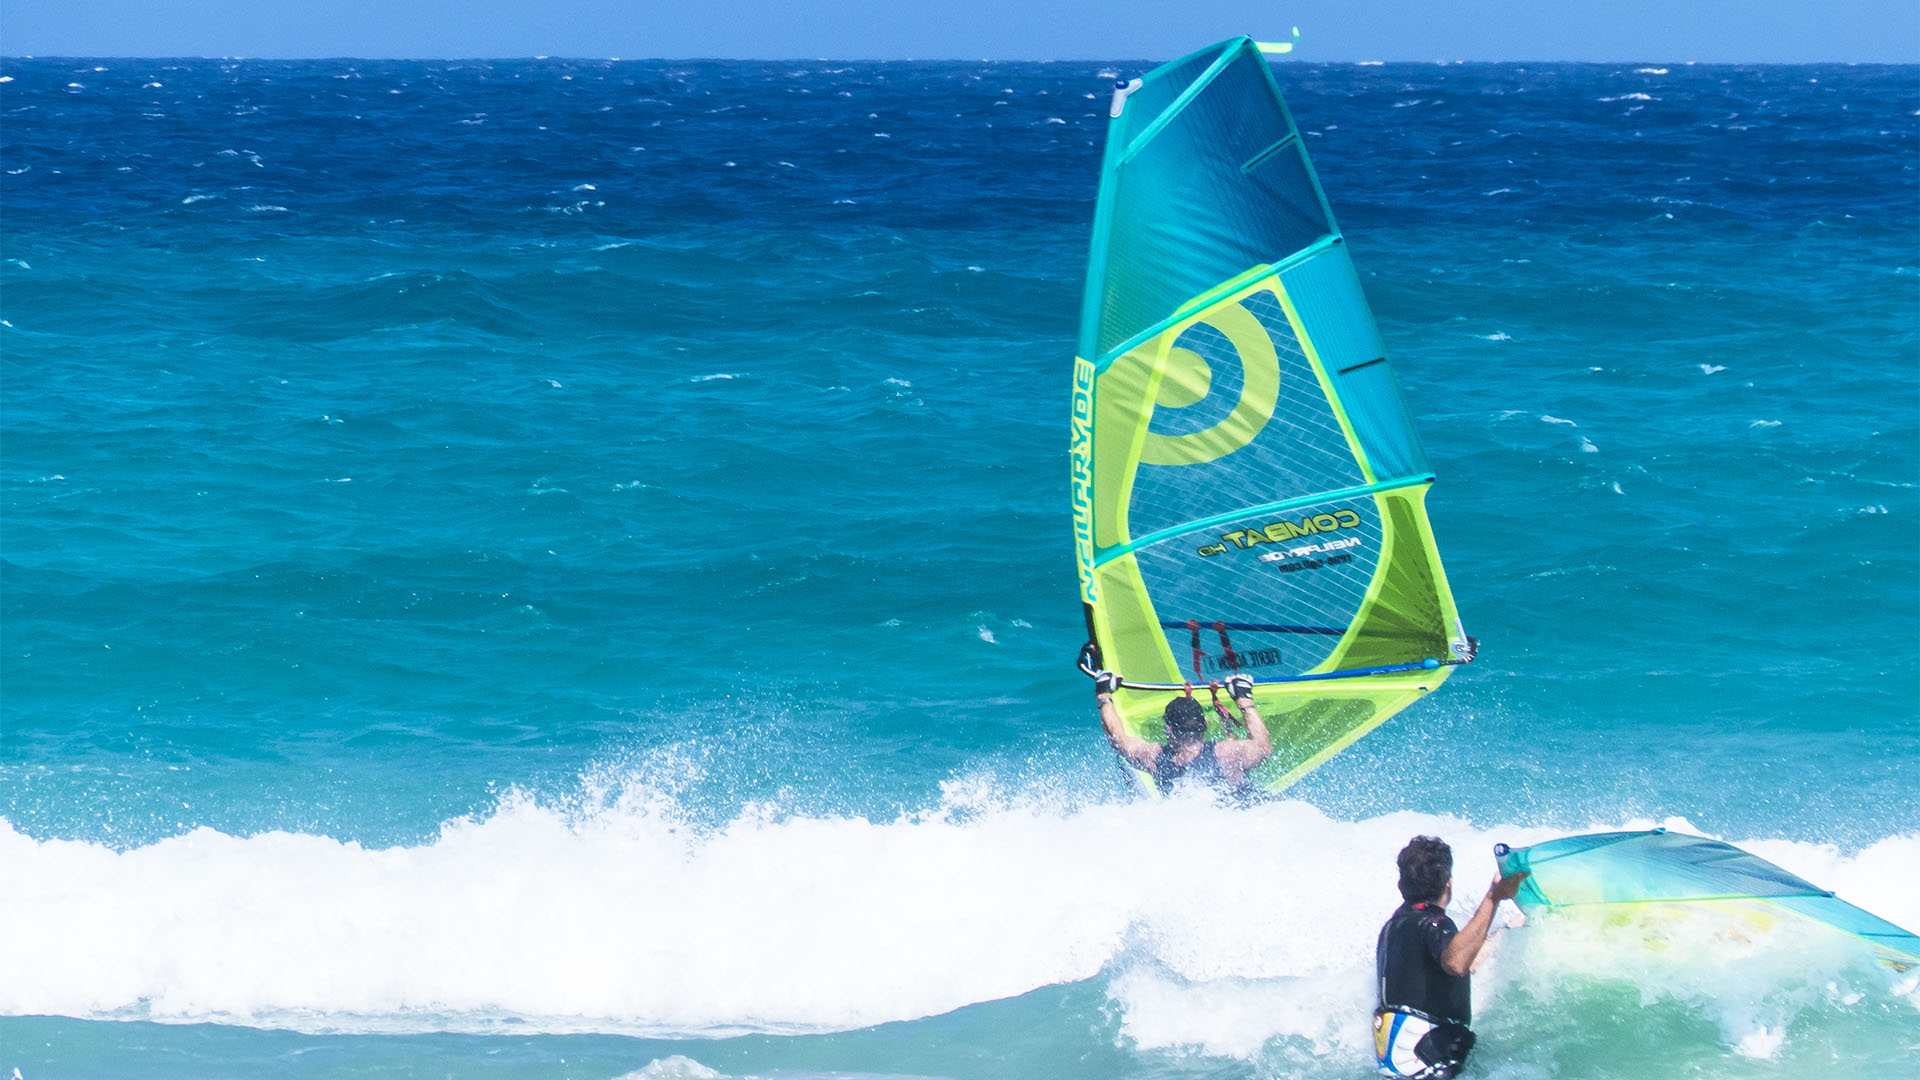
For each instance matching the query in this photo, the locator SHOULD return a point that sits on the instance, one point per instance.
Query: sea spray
(616, 914)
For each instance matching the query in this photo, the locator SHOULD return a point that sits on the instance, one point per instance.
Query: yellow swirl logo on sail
(1186, 380)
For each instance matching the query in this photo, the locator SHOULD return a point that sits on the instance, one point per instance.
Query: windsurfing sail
(1659, 867)
(1248, 492)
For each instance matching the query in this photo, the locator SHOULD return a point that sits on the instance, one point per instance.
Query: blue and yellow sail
(1248, 492)
(1656, 871)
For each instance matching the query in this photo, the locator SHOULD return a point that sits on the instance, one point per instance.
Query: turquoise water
(562, 568)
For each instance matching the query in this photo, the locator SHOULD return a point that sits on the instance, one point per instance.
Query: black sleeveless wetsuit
(1204, 767)
(1410, 980)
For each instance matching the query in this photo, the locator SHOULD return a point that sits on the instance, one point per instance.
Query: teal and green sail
(1629, 872)
(1249, 494)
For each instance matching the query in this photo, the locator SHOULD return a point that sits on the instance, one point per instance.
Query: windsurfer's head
(1186, 721)
(1426, 868)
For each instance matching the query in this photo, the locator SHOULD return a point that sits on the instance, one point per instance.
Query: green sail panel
(1656, 867)
(1249, 493)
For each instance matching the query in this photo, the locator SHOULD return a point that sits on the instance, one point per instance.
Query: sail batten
(1241, 455)
(1172, 111)
(1247, 277)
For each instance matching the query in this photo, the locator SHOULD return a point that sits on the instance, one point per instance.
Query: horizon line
(1277, 62)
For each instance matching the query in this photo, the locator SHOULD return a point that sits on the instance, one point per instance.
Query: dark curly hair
(1186, 720)
(1426, 865)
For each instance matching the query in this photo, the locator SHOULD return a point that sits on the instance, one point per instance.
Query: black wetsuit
(1411, 980)
(1204, 767)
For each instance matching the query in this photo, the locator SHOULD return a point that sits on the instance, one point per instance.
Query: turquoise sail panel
(1665, 867)
(1326, 292)
(1206, 177)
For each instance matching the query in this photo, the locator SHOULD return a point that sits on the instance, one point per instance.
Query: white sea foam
(1709, 369)
(1557, 420)
(677, 1067)
(1649, 71)
(617, 914)
(1762, 1043)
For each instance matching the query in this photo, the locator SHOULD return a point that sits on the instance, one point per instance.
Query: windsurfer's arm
(1132, 747)
(1460, 953)
(1253, 749)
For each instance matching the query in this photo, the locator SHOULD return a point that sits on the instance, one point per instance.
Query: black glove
(1105, 682)
(1239, 686)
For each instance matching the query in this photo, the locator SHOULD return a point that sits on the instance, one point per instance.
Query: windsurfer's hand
(1505, 888)
(1239, 686)
(1105, 682)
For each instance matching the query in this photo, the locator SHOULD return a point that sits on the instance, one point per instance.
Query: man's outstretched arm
(1460, 952)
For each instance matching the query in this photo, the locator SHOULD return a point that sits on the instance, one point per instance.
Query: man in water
(1187, 751)
(1423, 967)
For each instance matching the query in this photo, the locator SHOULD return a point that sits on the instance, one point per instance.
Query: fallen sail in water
(1249, 494)
(1657, 867)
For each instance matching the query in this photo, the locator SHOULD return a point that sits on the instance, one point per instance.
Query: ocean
(563, 568)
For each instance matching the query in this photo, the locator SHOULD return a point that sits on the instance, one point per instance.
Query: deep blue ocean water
(562, 568)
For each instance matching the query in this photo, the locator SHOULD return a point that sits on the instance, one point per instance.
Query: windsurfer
(1187, 751)
(1423, 967)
